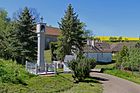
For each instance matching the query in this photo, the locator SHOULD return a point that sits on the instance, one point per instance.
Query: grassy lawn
(39, 84)
(105, 66)
(47, 55)
(125, 75)
(86, 87)
(14, 79)
(42, 84)
(50, 84)
(128, 75)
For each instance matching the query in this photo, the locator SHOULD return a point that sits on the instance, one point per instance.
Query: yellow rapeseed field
(106, 38)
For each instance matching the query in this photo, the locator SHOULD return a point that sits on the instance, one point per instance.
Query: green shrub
(10, 72)
(81, 68)
(122, 58)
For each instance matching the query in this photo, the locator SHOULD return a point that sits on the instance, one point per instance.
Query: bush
(122, 58)
(10, 72)
(128, 59)
(81, 68)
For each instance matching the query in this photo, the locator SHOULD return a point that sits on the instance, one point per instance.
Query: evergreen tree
(5, 35)
(72, 31)
(25, 37)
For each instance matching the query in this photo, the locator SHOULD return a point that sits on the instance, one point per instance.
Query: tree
(5, 35)
(72, 31)
(81, 68)
(113, 39)
(122, 57)
(26, 38)
(137, 45)
(134, 59)
(120, 39)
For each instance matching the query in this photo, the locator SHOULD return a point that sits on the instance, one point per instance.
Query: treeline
(18, 41)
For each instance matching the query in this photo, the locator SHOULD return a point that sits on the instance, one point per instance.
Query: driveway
(112, 84)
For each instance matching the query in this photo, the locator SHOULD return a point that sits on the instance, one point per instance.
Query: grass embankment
(39, 84)
(47, 56)
(125, 75)
(128, 75)
(86, 87)
(14, 79)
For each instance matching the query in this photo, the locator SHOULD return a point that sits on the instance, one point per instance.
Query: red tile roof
(52, 31)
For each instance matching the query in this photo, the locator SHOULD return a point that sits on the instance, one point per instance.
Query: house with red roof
(51, 35)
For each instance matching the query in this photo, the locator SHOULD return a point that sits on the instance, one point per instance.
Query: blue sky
(103, 17)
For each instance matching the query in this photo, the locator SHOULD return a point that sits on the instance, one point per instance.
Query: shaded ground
(112, 84)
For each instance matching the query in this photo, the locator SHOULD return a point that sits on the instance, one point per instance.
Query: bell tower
(41, 28)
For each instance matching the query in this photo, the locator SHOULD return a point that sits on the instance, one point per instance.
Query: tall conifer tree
(72, 31)
(26, 37)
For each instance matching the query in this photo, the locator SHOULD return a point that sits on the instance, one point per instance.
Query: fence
(35, 69)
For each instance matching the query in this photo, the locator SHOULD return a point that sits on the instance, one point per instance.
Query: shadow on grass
(90, 80)
(100, 79)
(104, 63)
(94, 80)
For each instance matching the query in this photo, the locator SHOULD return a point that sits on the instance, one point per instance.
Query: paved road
(112, 84)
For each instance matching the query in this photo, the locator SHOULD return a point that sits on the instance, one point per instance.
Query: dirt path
(112, 84)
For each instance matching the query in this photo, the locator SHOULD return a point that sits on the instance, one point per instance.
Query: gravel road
(112, 84)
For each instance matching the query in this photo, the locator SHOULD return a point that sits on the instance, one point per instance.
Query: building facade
(51, 35)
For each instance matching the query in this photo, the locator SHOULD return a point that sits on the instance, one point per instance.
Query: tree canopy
(17, 37)
(26, 46)
(72, 31)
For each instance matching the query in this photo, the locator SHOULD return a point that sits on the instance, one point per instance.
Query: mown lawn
(52, 84)
(84, 87)
(105, 66)
(39, 84)
(128, 75)
(47, 55)
(125, 75)
(14, 79)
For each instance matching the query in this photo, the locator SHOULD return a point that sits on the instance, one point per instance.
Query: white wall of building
(101, 57)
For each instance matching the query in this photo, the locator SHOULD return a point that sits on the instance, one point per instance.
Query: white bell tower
(41, 28)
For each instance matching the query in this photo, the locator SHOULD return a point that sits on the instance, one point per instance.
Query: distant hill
(107, 38)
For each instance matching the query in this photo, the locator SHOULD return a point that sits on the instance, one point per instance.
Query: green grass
(128, 75)
(39, 84)
(125, 75)
(86, 87)
(105, 66)
(43, 84)
(47, 55)
(62, 83)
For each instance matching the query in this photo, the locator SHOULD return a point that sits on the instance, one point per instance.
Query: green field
(106, 38)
